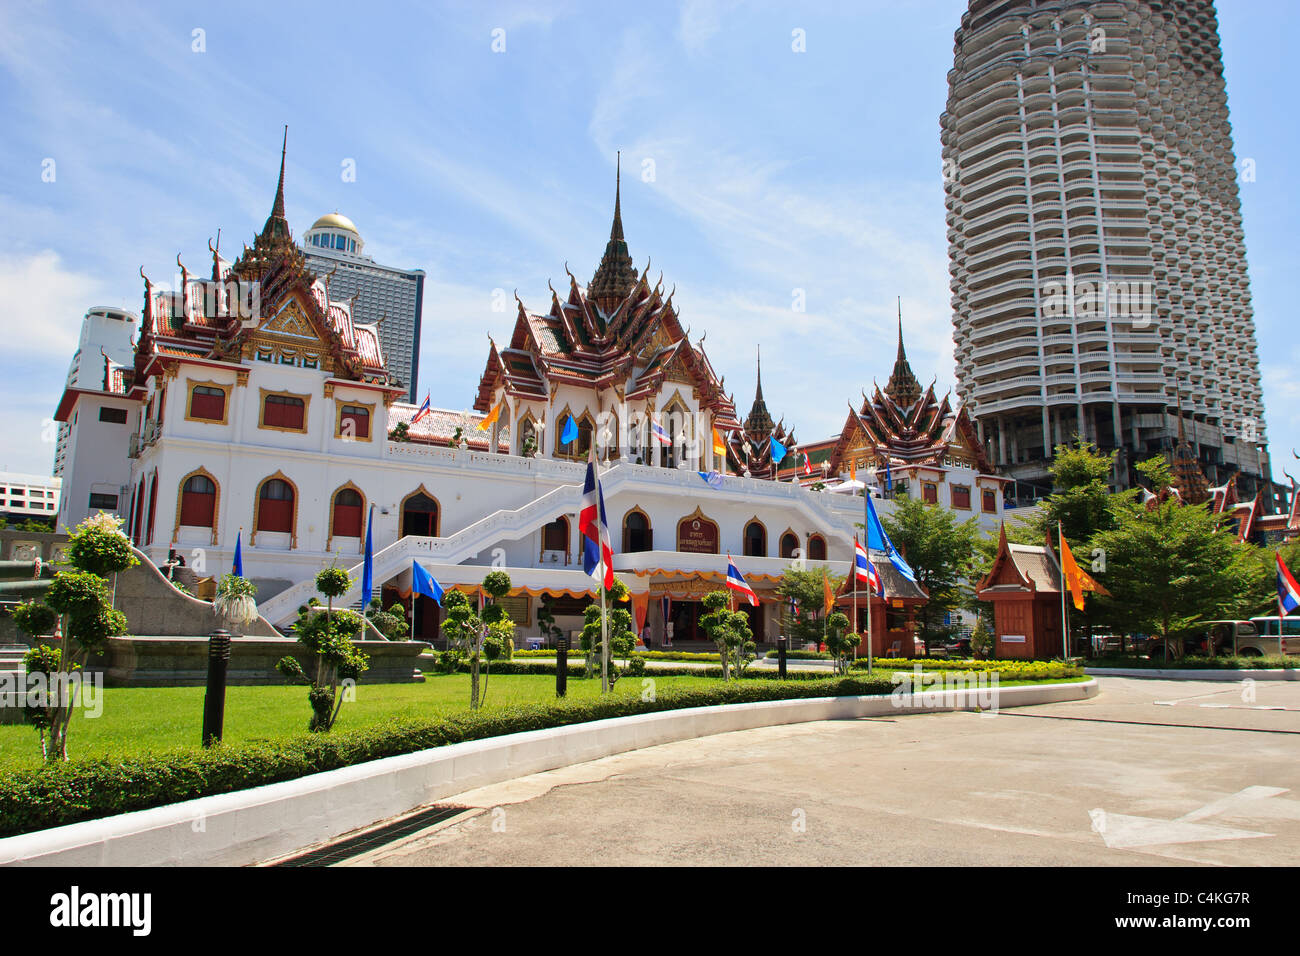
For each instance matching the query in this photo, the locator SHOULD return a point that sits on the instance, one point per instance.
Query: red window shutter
(275, 515)
(208, 406)
(347, 521)
(293, 415)
(197, 509)
(360, 427)
(990, 502)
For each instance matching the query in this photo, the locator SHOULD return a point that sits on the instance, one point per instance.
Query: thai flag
(865, 570)
(423, 410)
(736, 582)
(597, 548)
(661, 436)
(807, 463)
(1288, 592)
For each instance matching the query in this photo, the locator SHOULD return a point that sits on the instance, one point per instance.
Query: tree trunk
(473, 682)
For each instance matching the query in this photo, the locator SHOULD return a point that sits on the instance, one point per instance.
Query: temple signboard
(697, 534)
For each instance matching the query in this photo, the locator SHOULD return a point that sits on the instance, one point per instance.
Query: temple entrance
(420, 516)
(427, 623)
(685, 618)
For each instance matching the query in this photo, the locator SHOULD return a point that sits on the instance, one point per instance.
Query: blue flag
(889, 477)
(569, 433)
(368, 568)
(422, 582)
(712, 478)
(238, 569)
(879, 540)
(778, 451)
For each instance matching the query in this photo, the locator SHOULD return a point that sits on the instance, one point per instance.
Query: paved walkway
(1148, 773)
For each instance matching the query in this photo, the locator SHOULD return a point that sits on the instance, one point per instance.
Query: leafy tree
(98, 545)
(1081, 502)
(391, 623)
(730, 631)
(981, 639)
(1169, 568)
(333, 583)
(78, 610)
(841, 641)
(807, 590)
(478, 638)
(940, 550)
(400, 432)
(622, 641)
(329, 636)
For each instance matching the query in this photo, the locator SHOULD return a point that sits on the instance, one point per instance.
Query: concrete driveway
(1148, 773)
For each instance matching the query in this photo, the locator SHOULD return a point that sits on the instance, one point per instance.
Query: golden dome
(335, 221)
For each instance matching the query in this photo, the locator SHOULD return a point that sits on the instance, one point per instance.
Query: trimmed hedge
(64, 793)
(1202, 663)
(644, 655)
(576, 669)
(1006, 670)
(800, 655)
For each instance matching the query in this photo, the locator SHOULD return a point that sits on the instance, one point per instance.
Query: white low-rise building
(261, 412)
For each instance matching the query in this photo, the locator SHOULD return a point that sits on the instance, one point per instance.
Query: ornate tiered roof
(749, 448)
(908, 425)
(295, 316)
(619, 332)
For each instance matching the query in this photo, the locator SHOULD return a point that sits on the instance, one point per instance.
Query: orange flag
(830, 595)
(1077, 579)
(853, 471)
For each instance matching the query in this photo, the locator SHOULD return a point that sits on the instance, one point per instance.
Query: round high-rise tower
(1096, 252)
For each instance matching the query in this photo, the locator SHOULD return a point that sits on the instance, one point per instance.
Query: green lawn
(137, 719)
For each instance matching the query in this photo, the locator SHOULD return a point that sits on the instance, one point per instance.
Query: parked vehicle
(1286, 628)
(1223, 638)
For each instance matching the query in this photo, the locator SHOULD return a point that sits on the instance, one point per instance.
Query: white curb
(272, 821)
(1192, 673)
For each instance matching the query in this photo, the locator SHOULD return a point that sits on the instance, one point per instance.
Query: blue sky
(773, 171)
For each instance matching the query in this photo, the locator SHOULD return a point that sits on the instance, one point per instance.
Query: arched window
(420, 516)
(555, 536)
(789, 544)
(153, 506)
(347, 514)
(676, 421)
(755, 540)
(637, 533)
(275, 507)
(527, 437)
(586, 434)
(198, 502)
(817, 548)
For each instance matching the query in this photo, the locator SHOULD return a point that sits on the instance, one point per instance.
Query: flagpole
(866, 535)
(1065, 621)
(604, 641)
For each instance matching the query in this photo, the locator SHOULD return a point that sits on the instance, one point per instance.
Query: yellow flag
(718, 447)
(853, 471)
(486, 423)
(830, 595)
(1077, 579)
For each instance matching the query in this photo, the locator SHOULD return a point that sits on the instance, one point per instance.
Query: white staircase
(511, 525)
